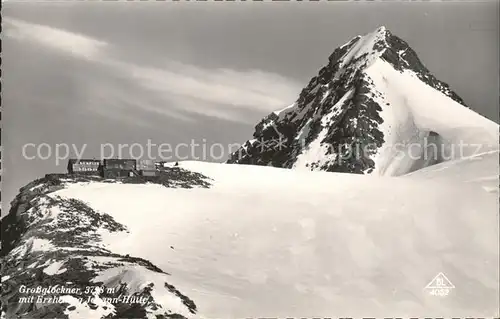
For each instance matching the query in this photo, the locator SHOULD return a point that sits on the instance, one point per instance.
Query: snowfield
(270, 242)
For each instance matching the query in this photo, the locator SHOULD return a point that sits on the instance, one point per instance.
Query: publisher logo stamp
(440, 286)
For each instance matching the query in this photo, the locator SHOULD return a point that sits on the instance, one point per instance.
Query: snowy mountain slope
(482, 170)
(270, 242)
(48, 241)
(373, 109)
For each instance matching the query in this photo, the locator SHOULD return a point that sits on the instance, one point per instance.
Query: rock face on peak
(348, 115)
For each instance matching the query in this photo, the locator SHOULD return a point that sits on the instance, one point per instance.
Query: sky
(84, 74)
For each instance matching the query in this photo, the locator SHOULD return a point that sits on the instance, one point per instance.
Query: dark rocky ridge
(277, 139)
(73, 234)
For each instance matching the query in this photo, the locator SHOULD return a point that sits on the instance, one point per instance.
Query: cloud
(173, 89)
(71, 43)
(224, 89)
(124, 100)
(252, 88)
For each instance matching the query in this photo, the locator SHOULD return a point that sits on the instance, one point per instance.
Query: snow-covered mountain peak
(374, 108)
(364, 49)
